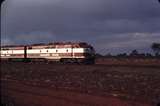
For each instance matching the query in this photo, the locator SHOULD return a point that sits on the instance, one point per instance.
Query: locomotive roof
(55, 44)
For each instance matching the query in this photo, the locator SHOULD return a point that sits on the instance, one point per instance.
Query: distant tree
(122, 55)
(148, 55)
(156, 48)
(134, 53)
(108, 55)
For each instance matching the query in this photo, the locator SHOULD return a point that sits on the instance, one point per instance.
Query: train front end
(88, 54)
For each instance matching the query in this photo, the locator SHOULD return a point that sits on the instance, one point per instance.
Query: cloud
(34, 37)
(36, 21)
(127, 42)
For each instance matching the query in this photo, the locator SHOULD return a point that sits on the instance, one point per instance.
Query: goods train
(67, 52)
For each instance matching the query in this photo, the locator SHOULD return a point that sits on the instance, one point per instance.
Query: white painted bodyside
(51, 53)
(12, 52)
(8, 53)
(56, 50)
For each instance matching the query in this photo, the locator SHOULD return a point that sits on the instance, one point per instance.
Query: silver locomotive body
(62, 52)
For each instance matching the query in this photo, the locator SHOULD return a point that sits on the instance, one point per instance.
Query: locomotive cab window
(87, 49)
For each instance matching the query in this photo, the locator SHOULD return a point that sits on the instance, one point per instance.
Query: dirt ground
(85, 85)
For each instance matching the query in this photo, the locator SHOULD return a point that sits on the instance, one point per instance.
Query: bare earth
(41, 84)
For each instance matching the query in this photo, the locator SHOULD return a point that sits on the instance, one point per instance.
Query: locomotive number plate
(55, 54)
(44, 54)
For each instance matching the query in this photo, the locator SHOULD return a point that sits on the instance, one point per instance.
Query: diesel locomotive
(64, 52)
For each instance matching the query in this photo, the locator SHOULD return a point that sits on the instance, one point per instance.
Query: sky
(110, 26)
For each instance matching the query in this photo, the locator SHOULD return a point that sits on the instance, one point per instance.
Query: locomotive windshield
(89, 50)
